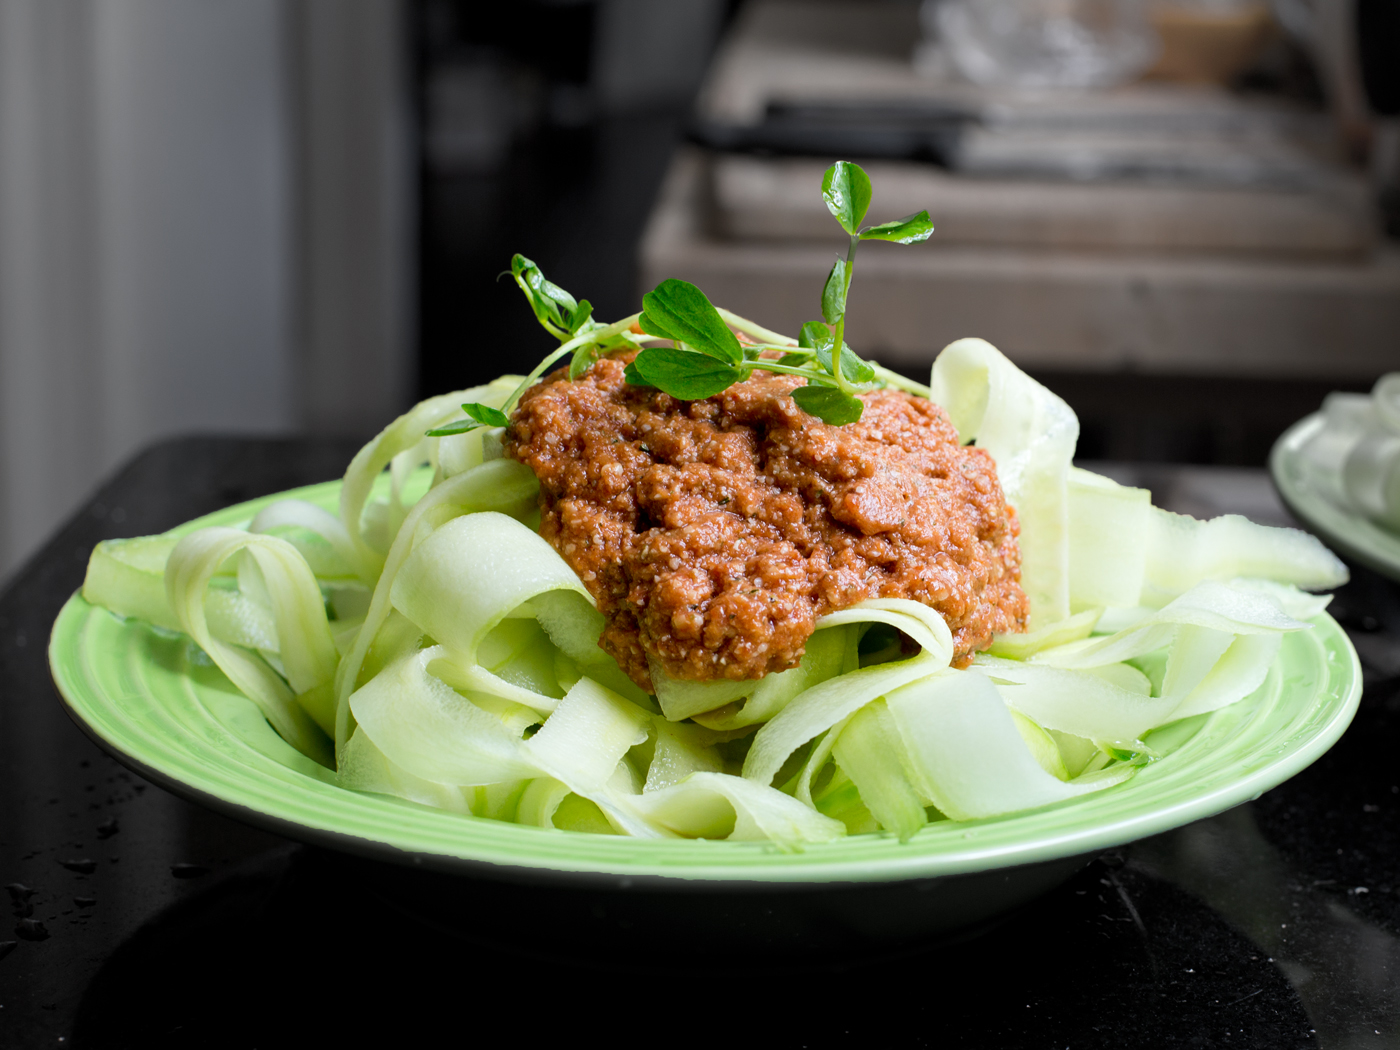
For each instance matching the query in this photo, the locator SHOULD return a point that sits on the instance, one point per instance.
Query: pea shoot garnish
(705, 356)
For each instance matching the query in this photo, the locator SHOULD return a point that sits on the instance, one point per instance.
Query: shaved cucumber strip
(323, 523)
(363, 767)
(460, 452)
(1075, 751)
(1235, 675)
(540, 802)
(1124, 676)
(502, 485)
(840, 800)
(547, 803)
(922, 624)
(1294, 602)
(295, 706)
(708, 804)
(769, 695)
(583, 744)
(574, 624)
(607, 673)
(587, 736)
(817, 759)
(817, 709)
(448, 588)
(1182, 552)
(1021, 646)
(425, 727)
(400, 467)
(397, 635)
(681, 699)
(1194, 652)
(1076, 702)
(870, 751)
(680, 751)
(967, 755)
(467, 676)
(1041, 745)
(530, 665)
(824, 659)
(497, 801)
(821, 707)
(765, 697)
(1107, 540)
(128, 577)
(1210, 604)
(400, 435)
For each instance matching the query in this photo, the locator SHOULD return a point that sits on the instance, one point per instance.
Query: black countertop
(141, 920)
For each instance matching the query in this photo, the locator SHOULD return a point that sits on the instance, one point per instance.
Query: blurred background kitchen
(276, 216)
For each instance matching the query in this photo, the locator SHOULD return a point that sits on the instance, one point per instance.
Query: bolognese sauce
(714, 533)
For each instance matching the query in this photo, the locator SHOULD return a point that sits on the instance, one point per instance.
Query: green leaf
(834, 293)
(683, 374)
(582, 360)
(817, 336)
(459, 427)
(552, 305)
(846, 190)
(678, 310)
(478, 415)
(581, 313)
(813, 335)
(486, 415)
(909, 230)
(853, 367)
(828, 404)
(795, 359)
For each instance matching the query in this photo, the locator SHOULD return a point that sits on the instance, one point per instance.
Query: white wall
(52, 426)
(194, 238)
(204, 227)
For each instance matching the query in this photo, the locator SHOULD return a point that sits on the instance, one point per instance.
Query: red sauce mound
(714, 533)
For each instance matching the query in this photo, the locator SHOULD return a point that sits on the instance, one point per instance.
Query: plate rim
(1341, 528)
(712, 877)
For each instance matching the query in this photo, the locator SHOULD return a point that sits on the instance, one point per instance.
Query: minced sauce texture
(713, 534)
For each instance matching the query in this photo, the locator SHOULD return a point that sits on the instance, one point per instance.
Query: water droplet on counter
(85, 866)
(84, 902)
(31, 930)
(108, 828)
(188, 871)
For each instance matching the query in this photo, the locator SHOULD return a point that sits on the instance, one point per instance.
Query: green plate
(155, 701)
(1315, 498)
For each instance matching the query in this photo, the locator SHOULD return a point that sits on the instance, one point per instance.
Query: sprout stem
(748, 327)
(894, 379)
(594, 335)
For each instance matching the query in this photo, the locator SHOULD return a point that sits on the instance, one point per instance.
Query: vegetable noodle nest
(433, 644)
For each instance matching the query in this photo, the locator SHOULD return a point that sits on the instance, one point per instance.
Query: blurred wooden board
(1185, 313)
(774, 199)
(852, 52)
